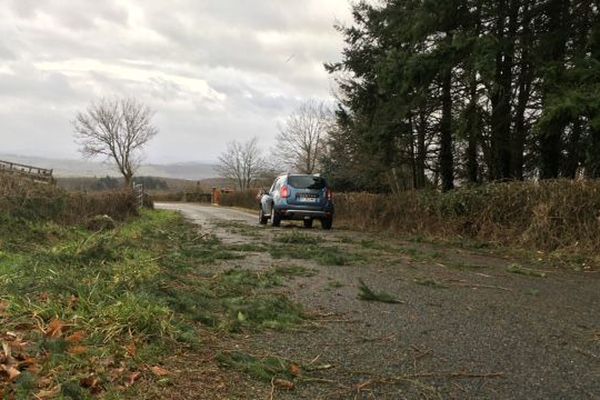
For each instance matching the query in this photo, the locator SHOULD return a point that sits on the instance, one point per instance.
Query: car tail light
(285, 192)
(329, 195)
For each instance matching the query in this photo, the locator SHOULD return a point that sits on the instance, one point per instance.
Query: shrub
(549, 215)
(244, 199)
(185, 196)
(21, 198)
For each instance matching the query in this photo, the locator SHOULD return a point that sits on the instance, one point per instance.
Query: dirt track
(466, 327)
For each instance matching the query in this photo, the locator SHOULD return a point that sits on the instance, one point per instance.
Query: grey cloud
(213, 70)
(5, 53)
(29, 84)
(72, 14)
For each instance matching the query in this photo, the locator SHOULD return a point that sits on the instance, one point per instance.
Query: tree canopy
(440, 92)
(117, 129)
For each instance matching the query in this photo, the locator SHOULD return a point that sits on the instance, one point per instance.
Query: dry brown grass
(22, 198)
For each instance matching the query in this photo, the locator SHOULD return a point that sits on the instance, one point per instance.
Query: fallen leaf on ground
(283, 384)
(91, 382)
(55, 329)
(6, 350)
(3, 307)
(116, 374)
(45, 382)
(48, 394)
(27, 362)
(77, 337)
(158, 371)
(134, 377)
(131, 349)
(30, 364)
(12, 372)
(73, 301)
(77, 350)
(295, 370)
(17, 344)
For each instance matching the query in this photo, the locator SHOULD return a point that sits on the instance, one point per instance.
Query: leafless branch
(117, 129)
(241, 163)
(301, 139)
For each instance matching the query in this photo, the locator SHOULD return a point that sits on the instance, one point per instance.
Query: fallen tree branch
(453, 375)
(473, 285)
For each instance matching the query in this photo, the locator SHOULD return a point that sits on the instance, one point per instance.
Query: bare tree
(302, 138)
(241, 163)
(117, 129)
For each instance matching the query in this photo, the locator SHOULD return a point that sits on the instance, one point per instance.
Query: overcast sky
(213, 70)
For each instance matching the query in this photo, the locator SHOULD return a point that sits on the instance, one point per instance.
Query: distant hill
(81, 168)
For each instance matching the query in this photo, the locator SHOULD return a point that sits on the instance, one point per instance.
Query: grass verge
(86, 315)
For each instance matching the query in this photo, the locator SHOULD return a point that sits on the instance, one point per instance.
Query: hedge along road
(459, 324)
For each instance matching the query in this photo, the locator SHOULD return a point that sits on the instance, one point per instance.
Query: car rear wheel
(308, 223)
(326, 223)
(275, 219)
(261, 217)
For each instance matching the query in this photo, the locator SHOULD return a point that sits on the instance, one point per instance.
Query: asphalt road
(466, 328)
(205, 214)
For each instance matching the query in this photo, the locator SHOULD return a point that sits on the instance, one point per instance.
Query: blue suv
(298, 197)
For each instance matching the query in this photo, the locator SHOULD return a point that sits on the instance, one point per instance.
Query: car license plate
(309, 198)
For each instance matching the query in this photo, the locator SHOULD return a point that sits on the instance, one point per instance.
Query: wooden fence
(35, 173)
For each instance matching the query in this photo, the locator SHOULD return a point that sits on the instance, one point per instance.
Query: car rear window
(307, 182)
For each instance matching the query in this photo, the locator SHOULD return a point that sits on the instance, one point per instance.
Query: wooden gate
(28, 171)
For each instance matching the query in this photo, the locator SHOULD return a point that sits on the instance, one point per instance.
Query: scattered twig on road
(587, 353)
(517, 269)
(314, 360)
(420, 354)
(272, 388)
(376, 339)
(343, 321)
(476, 286)
(319, 367)
(316, 380)
(322, 317)
(452, 375)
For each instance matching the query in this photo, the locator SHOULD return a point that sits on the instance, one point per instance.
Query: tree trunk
(446, 156)
(520, 132)
(128, 179)
(551, 139)
(524, 86)
(592, 167)
(593, 155)
(472, 129)
(502, 92)
(571, 164)
(413, 157)
(421, 148)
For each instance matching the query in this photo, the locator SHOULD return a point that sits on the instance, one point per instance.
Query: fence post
(139, 193)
